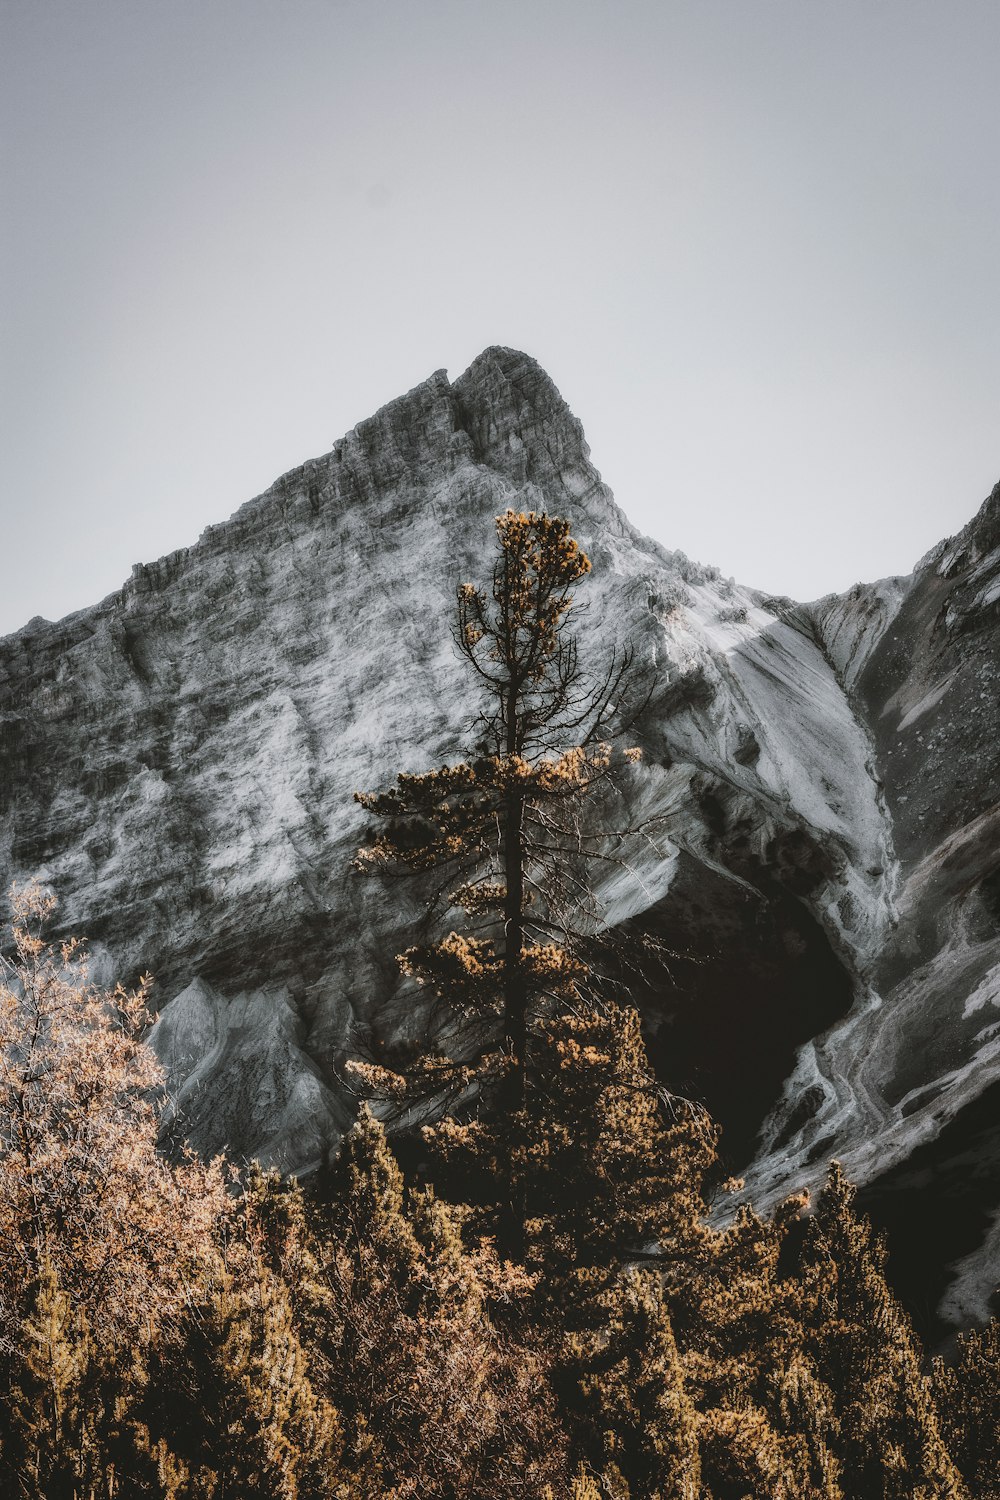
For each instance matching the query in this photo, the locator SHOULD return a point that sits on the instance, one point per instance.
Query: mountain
(178, 762)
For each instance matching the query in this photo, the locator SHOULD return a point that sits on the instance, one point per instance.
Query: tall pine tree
(497, 829)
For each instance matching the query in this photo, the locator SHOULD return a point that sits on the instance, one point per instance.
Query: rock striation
(178, 762)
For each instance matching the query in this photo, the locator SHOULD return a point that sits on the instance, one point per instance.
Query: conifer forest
(525, 1275)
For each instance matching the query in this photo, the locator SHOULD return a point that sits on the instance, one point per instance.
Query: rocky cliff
(179, 762)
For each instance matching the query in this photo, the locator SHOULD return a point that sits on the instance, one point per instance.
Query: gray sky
(756, 243)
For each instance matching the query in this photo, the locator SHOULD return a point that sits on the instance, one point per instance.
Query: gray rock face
(179, 762)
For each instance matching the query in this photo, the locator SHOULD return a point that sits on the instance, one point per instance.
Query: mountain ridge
(178, 763)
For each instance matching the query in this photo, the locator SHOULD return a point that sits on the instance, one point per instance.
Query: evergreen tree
(612, 1165)
(782, 1445)
(273, 1224)
(967, 1392)
(495, 826)
(367, 1218)
(623, 1382)
(435, 1401)
(803, 1411)
(558, 1132)
(49, 1451)
(867, 1354)
(737, 1312)
(614, 1169)
(743, 1457)
(69, 1416)
(768, 1424)
(231, 1413)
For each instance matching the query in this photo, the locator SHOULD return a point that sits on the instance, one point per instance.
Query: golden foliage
(167, 1339)
(625, 1388)
(147, 1316)
(497, 820)
(967, 1394)
(83, 1189)
(538, 563)
(435, 1400)
(866, 1351)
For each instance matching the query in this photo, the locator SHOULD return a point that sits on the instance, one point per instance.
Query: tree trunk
(515, 990)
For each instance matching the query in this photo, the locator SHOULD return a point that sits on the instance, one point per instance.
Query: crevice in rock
(936, 1207)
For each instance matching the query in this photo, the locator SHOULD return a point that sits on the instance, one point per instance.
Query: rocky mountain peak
(515, 416)
(179, 763)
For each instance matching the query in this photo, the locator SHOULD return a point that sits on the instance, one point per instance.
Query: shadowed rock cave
(752, 978)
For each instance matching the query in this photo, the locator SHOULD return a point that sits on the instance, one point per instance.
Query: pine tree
(70, 1408)
(612, 1165)
(555, 1126)
(367, 1218)
(743, 1457)
(49, 1449)
(435, 1401)
(803, 1411)
(272, 1220)
(623, 1381)
(867, 1354)
(737, 1312)
(768, 1424)
(231, 1410)
(614, 1169)
(967, 1392)
(496, 828)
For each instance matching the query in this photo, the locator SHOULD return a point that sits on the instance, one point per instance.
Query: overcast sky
(755, 243)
